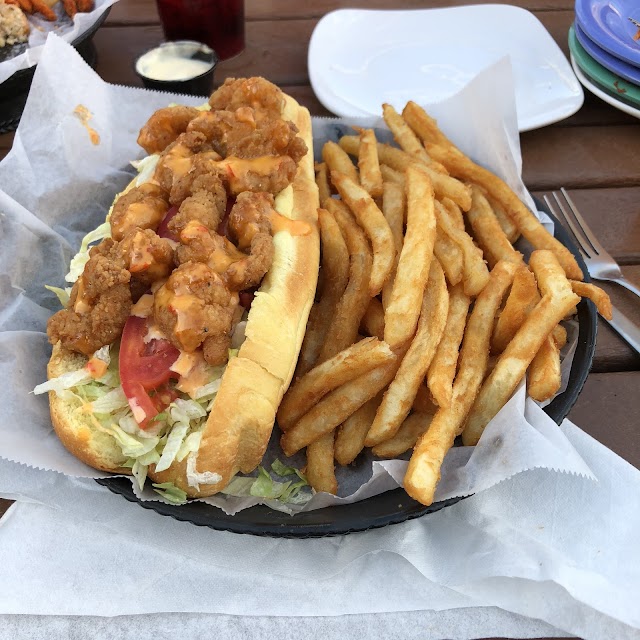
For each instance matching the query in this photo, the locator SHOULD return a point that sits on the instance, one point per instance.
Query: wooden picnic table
(594, 153)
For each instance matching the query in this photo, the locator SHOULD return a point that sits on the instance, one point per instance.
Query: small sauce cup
(184, 66)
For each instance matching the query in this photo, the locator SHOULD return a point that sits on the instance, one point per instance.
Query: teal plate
(609, 82)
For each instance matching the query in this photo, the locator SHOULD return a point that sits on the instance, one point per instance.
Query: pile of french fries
(427, 317)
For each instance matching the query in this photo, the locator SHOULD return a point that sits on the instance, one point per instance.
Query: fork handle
(627, 285)
(626, 328)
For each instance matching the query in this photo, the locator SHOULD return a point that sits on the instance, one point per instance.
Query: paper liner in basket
(56, 185)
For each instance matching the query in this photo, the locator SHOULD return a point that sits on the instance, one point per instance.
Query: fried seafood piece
(238, 269)
(194, 304)
(216, 349)
(174, 171)
(164, 127)
(266, 173)
(257, 93)
(205, 175)
(70, 7)
(99, 305)
(142, 207)
(251, 214)
(244, 134)
(146, 256)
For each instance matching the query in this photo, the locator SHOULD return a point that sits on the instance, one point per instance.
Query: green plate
(609, 82)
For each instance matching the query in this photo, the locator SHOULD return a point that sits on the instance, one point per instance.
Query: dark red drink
(218, 23)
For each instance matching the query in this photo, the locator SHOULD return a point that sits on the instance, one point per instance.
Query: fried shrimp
(194, 304)
(248, 272)
(251, 214)
(266, 173)
(204, 175)
(164, 127)
(257, 93)
(142, 207)
(99, 306)
(146, 256)
(244, 134)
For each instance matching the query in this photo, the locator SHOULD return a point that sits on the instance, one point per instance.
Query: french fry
(393, 209)
(369, 164)
(560, 335)
(475, 271)
(344, 324)
(543, 375)
(423, 471)
(557, 299)
(320, 470)
(391, 175)
(443, 366)
(376, 227)
(425, 127)
(529, 226)
(351, 433)
(401, 393)
(406, 437)
(337, 160)
(522, 298)
(322, 181)
(508, 225)
(346, 365)
(450, 256)
(487, 231)
(336, 407)
(335, 270)
(405, 301)
(372, 323)
(40, 7)
(404, 136)
(599, 297)
(444, 186)
(454, 213)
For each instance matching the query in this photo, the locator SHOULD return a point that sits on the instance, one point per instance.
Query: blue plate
(607, 23)
(615, 65)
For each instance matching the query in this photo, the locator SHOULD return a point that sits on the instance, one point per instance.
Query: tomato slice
(145, 367)
(163, 227)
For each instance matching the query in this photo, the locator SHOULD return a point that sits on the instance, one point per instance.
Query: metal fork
(599, 262)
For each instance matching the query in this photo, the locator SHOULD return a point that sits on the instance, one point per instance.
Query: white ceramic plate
(361, 58)
(622, 106)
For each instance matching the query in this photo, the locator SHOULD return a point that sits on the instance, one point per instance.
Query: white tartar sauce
(160, 64)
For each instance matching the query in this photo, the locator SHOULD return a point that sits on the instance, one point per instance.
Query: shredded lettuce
(208, 389)
(174, 442)
(62, 294)
(109, 402)
(65, 381)
(189, 445)
(170, 492)
(139, 472)
(146, 168)
(281, 469)
(82, 257)
(132, 447)
(264, 486)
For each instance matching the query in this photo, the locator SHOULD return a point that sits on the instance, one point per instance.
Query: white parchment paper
(56, 185)
(67, 29)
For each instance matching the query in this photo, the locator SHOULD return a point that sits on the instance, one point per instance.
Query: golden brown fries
(336, 407)
(423, 402)
(391, 175)
(406, 437)
(369, 164)
(423, 472)
(322, 181)
(443, 367)
(404, 136)
(346, 365)
(450, 256)
(351, 307)
(320, 470)
(352, 432)
(487, 231)
(556, 301)
(596, 295)
(337, 160)
(41, 7)
(522, 298)
(440, 148)
(475, 273)
(444, 185)
(401, 393)
(393, 209)
(335, 271)
(372, 323)
(405, 301)
(454, 213)
(544, 376)
(376, 227)
(508, 225)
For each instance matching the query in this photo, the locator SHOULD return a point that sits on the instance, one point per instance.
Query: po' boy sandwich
(183, 325)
